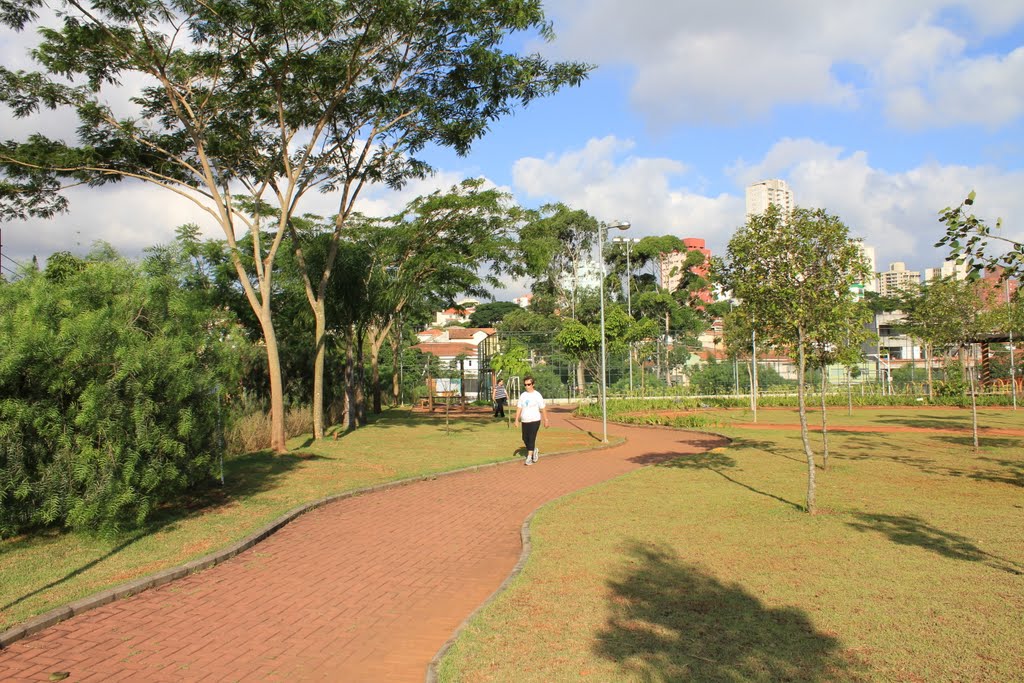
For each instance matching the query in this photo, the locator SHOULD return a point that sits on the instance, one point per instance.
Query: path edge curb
(126, 590)
(524, 555)
(524, 532)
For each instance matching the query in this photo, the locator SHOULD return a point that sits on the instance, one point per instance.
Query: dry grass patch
(704, 569)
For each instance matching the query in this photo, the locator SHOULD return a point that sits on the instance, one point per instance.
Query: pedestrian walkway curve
(364, 589)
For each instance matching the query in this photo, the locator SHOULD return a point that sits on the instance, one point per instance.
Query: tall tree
(272, 99)
(553, 245)
(441, 245)
(837, 338)
(791, 272)
(490, 314)
(947, 316)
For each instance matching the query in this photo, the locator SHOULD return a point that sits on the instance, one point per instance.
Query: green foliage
(512, 362)
(970, 240)
(720, 378)
(489, 315)
(946, 314)
(954, 382)
(553, 243)
(111, 384)
(549, 383)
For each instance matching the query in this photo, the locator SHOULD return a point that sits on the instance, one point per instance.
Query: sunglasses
(529, 384)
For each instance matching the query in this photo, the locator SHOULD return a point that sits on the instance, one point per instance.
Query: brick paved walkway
(365, 589)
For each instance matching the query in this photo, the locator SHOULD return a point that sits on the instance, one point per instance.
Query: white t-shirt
(532, 403)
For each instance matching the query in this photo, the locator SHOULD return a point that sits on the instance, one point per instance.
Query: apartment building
(897, 279)
(767, 192)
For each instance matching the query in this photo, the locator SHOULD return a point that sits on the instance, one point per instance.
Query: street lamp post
(602, 235)
(628, 241)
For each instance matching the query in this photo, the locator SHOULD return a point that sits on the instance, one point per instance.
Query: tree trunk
(360, 379)
(396, 383)
(802, 398)
(824, 419)
(350, 380)
(277, 433)
(375, 377)
(319, 354)
(849, 392)
(753, 380)
(928, 361)
(581, 379)
(668, 368)
(974, 402)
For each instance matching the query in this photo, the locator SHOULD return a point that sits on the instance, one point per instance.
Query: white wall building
(897, 279)
(868, 254)
(762, 194)
(948, 269)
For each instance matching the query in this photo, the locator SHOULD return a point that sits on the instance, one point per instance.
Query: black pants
(530, 430)
(499, 407)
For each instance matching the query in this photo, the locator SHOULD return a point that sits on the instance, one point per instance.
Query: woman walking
(529, 412)
(500, 397)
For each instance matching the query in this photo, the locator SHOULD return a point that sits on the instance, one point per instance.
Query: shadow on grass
(976, 467)
(714, 462)
(909, 530)
(244, 476)
(671, 621)
(928, 421)
(983, 441)
(770, 447)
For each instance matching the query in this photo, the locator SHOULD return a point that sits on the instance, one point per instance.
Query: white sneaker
(536, 453)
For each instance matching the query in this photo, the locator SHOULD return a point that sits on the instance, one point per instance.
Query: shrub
(109, 395)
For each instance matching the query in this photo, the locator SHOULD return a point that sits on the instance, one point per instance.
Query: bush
(110, 384)
(251, 431)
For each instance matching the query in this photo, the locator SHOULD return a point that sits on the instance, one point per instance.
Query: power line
(17, 263)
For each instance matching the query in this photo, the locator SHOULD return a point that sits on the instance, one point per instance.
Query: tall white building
(868, 254)
(761, 195)
(897, 279)
(948, 269)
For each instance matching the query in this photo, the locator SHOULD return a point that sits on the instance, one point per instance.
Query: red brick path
(365, 589)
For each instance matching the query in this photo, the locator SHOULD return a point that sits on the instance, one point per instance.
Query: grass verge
(50, 569)
(704, 568)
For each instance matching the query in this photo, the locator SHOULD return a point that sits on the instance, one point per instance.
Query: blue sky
(881, 112)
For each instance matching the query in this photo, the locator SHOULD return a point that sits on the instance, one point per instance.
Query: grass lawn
(705, 569)
(40, 572)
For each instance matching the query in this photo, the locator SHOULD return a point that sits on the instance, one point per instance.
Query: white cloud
(714, 62)
(611, 185)
(896, 212)
(988, 90)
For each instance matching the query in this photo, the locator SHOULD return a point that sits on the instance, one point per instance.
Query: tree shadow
(244, 476)
(714, 462)
(983, 441)
(1010, 472)
(670, 621)
(770, 447)
(910, 530)
(1001, 471)
(928, 421)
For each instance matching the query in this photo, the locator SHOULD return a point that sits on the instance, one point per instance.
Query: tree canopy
(247, 106)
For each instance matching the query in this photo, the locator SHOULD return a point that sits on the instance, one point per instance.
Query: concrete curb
(136, 586)
(524, 533)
